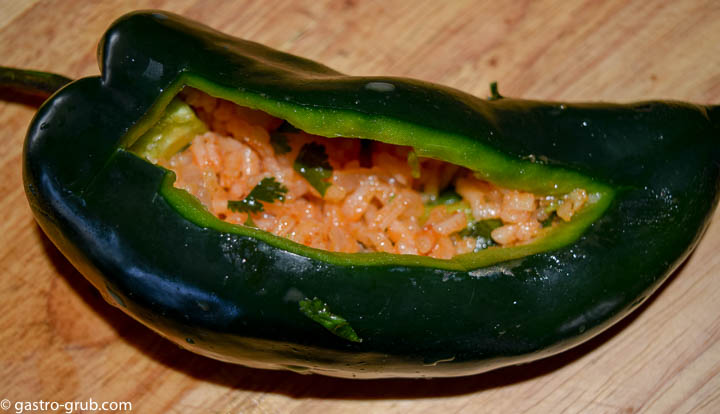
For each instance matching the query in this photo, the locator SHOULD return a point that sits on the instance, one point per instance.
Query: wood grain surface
(59, 341)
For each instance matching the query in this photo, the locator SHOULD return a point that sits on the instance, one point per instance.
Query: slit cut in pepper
(334, 204)
(243, 295)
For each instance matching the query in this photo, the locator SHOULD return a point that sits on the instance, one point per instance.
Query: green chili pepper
(240, 294)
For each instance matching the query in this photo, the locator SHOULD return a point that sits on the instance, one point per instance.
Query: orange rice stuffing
(372, 205)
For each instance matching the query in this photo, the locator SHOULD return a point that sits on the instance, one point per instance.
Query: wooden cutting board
(59, 341)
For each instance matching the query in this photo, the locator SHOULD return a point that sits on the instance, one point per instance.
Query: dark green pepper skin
(235, 298)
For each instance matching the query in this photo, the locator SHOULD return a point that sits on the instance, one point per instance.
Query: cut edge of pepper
(504, 171)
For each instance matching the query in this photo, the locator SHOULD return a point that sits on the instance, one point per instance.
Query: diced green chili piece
(171, 134)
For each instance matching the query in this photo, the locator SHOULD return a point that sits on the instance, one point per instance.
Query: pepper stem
(16, 84)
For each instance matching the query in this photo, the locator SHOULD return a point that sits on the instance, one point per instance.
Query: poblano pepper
(242, 295)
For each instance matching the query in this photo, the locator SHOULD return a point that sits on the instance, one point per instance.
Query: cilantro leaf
(312, 163)
(481, 228)
(549, 221)
(249, 222)
(287, 127)
(279, 143)
(267, 190)
(318, 311)
(447, 197)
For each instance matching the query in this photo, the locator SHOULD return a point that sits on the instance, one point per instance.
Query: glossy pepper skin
(234, 294)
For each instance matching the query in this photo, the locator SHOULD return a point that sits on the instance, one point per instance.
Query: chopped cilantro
(287, 127)
(268, 190)
(447, 197)
(548, 221)
(452, 201)
(250, 222)
(279, 142)
(318, 311)
(312, 163)
(481, 228)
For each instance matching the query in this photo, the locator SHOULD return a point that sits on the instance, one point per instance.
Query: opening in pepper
(340, 194)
